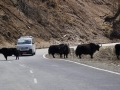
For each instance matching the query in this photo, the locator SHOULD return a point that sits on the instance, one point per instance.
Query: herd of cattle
(63, 49)
(87, 49)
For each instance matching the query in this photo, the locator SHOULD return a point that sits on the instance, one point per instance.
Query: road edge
(86, 65)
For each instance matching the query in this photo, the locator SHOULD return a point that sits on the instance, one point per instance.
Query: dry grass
(94, 32)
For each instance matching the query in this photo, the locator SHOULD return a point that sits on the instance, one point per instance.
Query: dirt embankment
(54, 21)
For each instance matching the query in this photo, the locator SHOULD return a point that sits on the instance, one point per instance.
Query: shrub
(52, 3)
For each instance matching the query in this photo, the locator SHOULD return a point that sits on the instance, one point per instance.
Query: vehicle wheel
(32, 54)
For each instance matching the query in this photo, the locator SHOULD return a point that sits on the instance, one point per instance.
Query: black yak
(59, 49)
(9, 52)
(117, 50)
(86, 49)
(64, 49)
(54, 49)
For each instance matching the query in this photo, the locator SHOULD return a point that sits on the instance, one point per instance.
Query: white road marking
(54, 65)
(9, 61)
(87, 66)
(22, 65)
(31, 71)
(94, 67)
(44, 56)
(35, 80)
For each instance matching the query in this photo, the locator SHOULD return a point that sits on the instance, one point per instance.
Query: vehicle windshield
(24, 41)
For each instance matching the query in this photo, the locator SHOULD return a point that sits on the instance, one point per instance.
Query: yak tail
(49, 51)
(76, 52)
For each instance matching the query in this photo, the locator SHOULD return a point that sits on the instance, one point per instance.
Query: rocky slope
(54, 21)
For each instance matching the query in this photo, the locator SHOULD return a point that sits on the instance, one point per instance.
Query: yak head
(1, 50)
(98, 47)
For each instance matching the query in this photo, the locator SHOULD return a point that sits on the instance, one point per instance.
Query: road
(38, 73)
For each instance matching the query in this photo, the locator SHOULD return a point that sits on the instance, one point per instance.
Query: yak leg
(17, 57)
(53, 55)
(91, 56)
(66, 55)
(80, 56)
(5, 57)
(60, 55)
(118, 53)
(117, 56)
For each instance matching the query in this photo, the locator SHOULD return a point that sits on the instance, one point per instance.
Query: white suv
(26, 45)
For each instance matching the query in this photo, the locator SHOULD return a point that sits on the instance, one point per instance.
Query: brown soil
(55, 21)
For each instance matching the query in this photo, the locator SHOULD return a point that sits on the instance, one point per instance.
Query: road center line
(22, 65)
(9, 61)
(31, 71)
(54, 65)
(35, 80)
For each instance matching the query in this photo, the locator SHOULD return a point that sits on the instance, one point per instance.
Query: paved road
(38, 73)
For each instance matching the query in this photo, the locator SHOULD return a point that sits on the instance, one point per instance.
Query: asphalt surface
(38, 73)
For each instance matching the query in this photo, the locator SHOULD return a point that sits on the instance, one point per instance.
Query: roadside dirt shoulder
(103, 59)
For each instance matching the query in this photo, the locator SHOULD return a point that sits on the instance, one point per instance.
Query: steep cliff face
(51, 21)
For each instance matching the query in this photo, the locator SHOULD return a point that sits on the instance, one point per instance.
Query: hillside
(54, 21)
